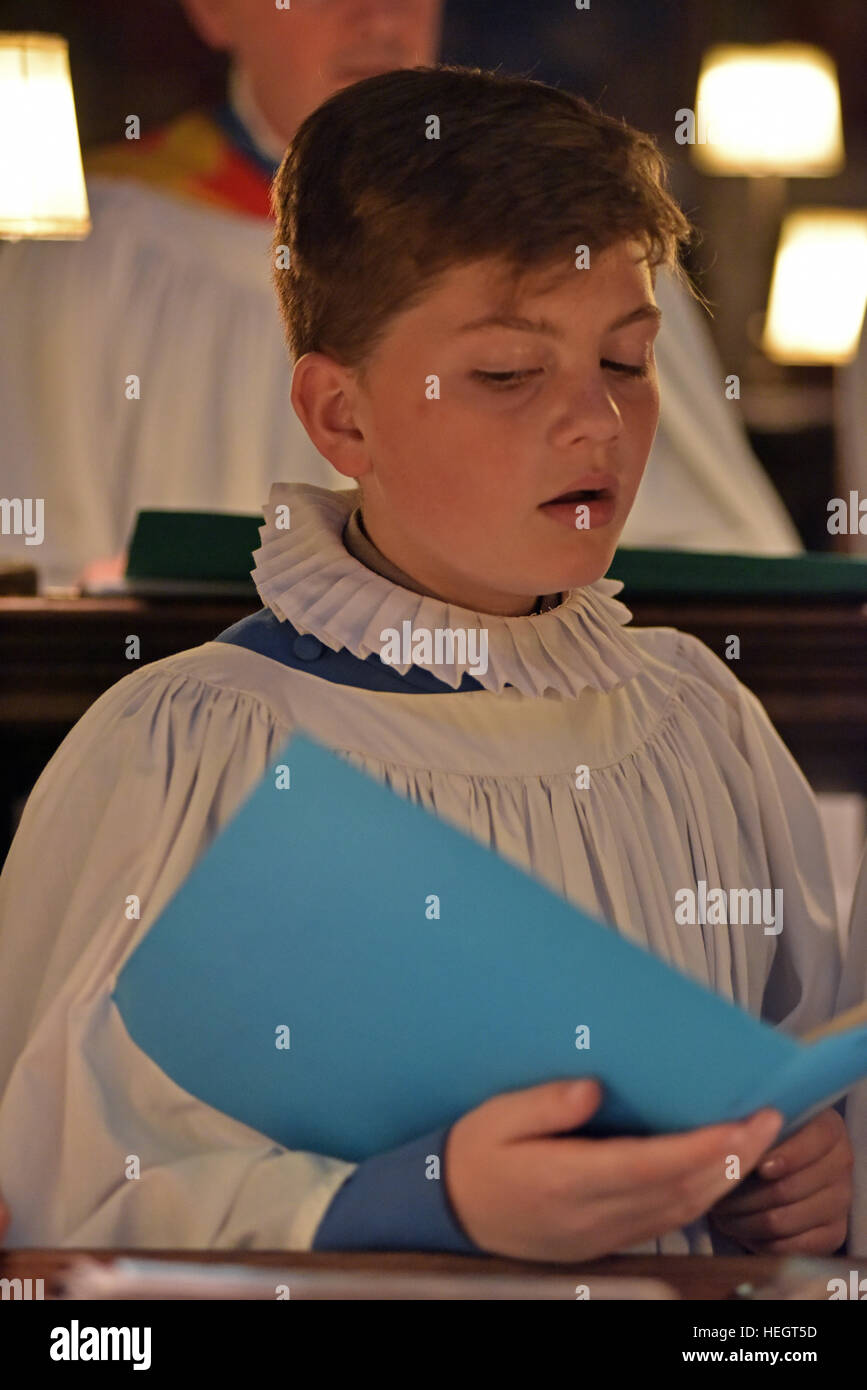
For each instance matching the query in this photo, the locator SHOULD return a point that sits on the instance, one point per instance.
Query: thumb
(552, 1108)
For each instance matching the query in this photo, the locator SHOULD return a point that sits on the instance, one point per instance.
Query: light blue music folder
(344, 972)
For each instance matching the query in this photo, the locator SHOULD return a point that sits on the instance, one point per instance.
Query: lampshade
(773, 109)
(819, 287)
(42, 192)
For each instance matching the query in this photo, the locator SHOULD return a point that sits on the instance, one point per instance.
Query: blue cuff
(389, 1203)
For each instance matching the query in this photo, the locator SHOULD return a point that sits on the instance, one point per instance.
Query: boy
(469, 291)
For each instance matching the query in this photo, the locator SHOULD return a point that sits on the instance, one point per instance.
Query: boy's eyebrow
(643, 311)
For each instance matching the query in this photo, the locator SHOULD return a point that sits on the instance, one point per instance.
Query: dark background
(638, 59)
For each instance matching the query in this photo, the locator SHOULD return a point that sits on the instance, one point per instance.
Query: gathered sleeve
(97, 1145)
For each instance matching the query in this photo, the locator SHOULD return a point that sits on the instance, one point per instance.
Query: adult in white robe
(178, 296)
(689, 781)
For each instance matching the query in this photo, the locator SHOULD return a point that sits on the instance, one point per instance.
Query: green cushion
(217, 547)
(670, 572)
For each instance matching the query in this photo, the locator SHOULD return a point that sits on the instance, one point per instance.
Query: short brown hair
(372, 211)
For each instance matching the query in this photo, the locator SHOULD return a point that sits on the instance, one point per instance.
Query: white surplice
(688, 781)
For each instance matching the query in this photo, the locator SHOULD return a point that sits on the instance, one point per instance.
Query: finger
(669, 1157)
(669, 1212)
(624, 1220)
(611, 1198)
(689, 1167)
(760, 1195)
(824, 1240)
(554, 1107)
(747, 1145)
(831, 1204)
(816, 1138)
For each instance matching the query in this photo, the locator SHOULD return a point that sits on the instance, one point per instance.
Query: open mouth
(584, 508)
(584, 494)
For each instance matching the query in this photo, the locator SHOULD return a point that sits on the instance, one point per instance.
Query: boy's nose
(590, 412)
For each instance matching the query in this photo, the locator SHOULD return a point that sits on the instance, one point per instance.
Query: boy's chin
(592, 564)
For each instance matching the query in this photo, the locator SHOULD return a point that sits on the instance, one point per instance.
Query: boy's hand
(521, 1188)
(4, 1218)
(799, 1202)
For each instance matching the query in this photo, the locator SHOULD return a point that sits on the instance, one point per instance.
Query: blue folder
(344, 972)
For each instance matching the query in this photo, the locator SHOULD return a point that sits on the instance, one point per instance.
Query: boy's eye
(509, 381)
(627, 368)
(506, 381)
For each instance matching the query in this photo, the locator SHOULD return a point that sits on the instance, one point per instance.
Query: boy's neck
(359, 544)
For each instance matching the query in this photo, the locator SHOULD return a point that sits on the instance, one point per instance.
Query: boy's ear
(322, 397)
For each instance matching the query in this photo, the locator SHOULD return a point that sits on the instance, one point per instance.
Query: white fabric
(853, 990)
(688, 781)
(180, 296)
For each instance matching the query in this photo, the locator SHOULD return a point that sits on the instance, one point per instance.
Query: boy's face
(458, 488)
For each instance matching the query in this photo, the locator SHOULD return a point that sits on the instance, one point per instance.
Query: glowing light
(42, 191)
(819, 287)
(768, 110)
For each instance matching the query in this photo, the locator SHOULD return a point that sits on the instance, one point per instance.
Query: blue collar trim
(263, 632)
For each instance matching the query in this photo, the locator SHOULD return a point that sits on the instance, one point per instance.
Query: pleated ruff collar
(307, 577)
